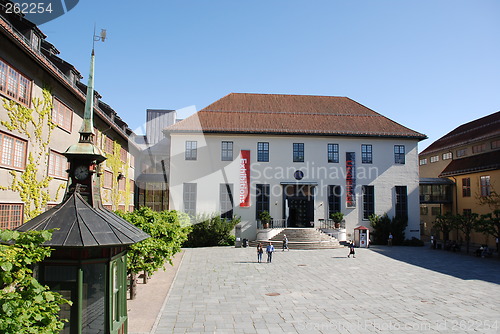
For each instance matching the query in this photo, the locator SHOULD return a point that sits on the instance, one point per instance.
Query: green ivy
(26, 306)
(114, 162)
(36, 124)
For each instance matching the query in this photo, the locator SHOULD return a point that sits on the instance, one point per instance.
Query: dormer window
(35, 41)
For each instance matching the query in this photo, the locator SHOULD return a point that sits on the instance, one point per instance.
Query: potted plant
(337, 218)
(265, 219)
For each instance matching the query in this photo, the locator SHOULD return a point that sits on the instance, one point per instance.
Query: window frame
(227, 150)
(262, 198)
(16, 154)
(368, 201)
(226, 200)
(485, 185)
(189, 196)
(334, 199)
(263, 151)
(401, 206)
(399, 154)
(61, 172)
(6, 83)
(298, 152)
(62, 115)
(447, 156)
(466, 190)
(434, 159)
(10, 223)
(191, 150)
(108, 179)
(366, 153)
(332, 151)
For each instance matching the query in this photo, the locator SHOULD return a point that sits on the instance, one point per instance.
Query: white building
(298, 157)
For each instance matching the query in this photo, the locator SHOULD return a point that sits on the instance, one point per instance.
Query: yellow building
(469, 157)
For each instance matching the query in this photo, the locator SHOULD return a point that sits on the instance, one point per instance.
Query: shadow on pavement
(459, 265)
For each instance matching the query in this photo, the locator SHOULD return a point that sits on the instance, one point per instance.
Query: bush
(26, 306)
(383, 225)
(168, 231)
(212, 230)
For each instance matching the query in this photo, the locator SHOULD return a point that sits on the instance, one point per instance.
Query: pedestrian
(496, 240)
(432, 242)
(351, 250)
(269, 251)
(260, 250)
(285, 243)
(389, 241)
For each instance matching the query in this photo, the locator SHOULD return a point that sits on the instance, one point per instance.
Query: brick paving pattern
(383, 289)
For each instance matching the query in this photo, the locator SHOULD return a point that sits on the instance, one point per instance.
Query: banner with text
(350, 180)
(244, 178)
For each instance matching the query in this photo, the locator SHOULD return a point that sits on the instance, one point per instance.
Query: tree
(383, 226)
(466, 223)
(212, 231)
(490, 224)
(26, 306)
(168, 231)
(444, 224)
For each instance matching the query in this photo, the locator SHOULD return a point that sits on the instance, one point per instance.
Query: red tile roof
(473, 164)
(474, 131)
(292, 114)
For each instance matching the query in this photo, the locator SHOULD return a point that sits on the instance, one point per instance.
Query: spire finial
(87, 129)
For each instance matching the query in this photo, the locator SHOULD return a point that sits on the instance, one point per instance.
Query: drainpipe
(456, 201)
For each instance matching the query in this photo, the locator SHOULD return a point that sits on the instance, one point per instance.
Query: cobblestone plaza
(383, 289)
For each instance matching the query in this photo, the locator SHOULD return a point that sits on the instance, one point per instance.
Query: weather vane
(96, 38)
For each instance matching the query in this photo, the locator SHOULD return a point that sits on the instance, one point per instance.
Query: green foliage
(489, 224)
(265, 217)
(383, 226)
(444, 224)
(117, 166)
(467, 223)
(212, 231)
(26, 306)
(36, 124)
(168, 231)
(337, 216)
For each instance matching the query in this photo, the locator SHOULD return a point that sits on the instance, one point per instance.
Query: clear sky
(430, 65)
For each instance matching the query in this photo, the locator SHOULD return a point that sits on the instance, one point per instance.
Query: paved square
(383, 289)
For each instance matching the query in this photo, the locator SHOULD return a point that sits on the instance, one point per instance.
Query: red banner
(245, 178)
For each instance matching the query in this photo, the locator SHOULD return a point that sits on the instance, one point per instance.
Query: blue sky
(430, 65)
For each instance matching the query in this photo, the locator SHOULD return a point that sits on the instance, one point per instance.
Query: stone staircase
(301, 238)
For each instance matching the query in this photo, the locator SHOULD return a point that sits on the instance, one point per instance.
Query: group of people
(270, 250)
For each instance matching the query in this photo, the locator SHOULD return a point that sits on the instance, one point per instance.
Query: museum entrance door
(299, 205)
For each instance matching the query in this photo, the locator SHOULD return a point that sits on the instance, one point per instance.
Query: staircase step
(301, 238)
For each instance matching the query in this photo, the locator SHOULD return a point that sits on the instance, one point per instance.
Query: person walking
(260, 250)
(389, 241)
(285, 243)
(270, 251)
(351, 250)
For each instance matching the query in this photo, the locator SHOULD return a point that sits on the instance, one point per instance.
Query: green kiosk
(89, 263)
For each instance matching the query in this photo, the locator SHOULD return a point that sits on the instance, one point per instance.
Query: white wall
(208, 171)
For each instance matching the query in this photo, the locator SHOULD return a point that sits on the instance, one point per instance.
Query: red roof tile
(473, 164)
(474, 131)
(292, 114)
